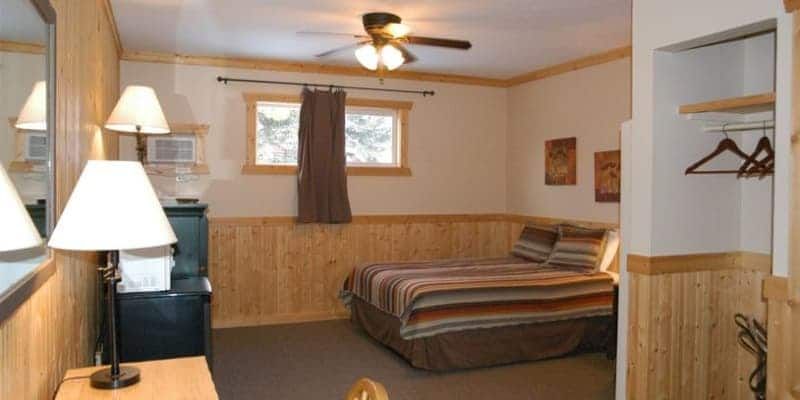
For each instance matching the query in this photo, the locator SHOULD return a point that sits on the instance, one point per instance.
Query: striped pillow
(535, 243)
(578, 247)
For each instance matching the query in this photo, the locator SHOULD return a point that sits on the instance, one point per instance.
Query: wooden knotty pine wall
(272, 270)
(682, 341)
(55, 328)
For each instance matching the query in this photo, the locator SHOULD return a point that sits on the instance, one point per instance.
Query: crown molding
(21, 47)
(112, 21)
(572, 65)
(303, 67)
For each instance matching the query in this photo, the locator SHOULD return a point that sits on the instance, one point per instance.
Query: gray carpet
(321, 360)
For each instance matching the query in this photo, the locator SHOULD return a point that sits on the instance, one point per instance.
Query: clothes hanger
(724, 145)
(765, 165)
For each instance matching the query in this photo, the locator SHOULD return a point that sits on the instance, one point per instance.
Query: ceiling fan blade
(407, 55)
(429, 41)
(316, 33)
(342, 48)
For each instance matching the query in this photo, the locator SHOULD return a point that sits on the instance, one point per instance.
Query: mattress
(430, 298)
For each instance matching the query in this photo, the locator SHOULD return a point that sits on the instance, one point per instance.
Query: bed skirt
(484, 347)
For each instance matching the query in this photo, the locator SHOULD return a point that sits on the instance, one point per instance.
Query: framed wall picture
(560, 162)
(606, 176)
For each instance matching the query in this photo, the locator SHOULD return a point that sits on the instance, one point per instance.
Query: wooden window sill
(351, 171)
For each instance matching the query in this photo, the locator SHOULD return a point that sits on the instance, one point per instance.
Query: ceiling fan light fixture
(367, 56)
(391, 57)
(397, 30)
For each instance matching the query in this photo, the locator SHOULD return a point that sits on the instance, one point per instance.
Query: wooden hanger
(724, 145)
(763, 166)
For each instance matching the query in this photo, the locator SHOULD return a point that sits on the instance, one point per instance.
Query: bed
(468, 313)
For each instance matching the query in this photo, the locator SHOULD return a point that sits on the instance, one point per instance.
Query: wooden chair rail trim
(776, 288)
(368, 219)
(675, 264)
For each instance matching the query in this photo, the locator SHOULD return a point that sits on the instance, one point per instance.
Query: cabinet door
(187, 250)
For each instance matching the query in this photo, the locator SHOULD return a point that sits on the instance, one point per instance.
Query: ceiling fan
(383, 46)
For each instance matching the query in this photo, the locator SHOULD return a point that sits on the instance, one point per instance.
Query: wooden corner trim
(572, 65)
(675, 264)
(776, 288)
(112, 21)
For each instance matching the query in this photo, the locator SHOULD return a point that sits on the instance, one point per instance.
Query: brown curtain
(321, 161)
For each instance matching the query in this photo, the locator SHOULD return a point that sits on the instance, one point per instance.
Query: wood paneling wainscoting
(273, 270)
(55, 328)
(682, 341)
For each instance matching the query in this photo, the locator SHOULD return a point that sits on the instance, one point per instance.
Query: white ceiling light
(367, 55)
(391, 57)
(397, 30)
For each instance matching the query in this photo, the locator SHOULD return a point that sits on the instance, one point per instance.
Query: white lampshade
(138, 110)
(33, 115)
(113, 207)
(367, 55)
(391, 57)
(17, 231)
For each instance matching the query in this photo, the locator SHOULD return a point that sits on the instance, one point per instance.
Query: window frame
(400, 108)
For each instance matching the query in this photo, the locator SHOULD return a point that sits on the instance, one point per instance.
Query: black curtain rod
(424, 93)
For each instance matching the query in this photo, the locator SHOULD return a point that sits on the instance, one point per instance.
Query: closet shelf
(758, 103)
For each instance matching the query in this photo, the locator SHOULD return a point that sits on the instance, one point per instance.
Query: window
(376, 135)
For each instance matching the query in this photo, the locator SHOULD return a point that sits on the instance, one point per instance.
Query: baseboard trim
(281, 319)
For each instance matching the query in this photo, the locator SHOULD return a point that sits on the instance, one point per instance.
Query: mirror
(26, 123)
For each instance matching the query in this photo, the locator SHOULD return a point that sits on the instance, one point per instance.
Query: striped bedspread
(435, 297)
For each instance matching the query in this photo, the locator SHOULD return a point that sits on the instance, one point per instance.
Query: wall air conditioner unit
(36, 147)
(174, 149)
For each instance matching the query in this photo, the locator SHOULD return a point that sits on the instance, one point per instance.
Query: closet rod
(424, 93)
(747, 126)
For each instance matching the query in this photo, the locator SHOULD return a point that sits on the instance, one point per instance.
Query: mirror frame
(25, 287)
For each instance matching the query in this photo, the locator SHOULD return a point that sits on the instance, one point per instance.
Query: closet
(713, 116)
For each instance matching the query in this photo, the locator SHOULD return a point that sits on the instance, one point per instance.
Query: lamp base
(127, 376)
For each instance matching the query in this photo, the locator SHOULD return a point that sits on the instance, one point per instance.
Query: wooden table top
(177, 378)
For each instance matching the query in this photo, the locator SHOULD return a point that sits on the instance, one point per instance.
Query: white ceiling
(509, 37)
(20, 22)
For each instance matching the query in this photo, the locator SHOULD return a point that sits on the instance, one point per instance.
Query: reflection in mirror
(24, 141)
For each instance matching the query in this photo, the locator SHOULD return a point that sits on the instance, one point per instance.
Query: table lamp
(113, 207)
(138, 111)
(17, 230)
(33, 116)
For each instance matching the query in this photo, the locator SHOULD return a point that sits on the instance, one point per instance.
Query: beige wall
(456, 148)
(588, 104)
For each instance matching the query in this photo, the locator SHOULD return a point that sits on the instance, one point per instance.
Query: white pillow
(612, 245)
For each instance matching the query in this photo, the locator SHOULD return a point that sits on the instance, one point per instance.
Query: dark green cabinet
(190, 224)
(176, 322)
